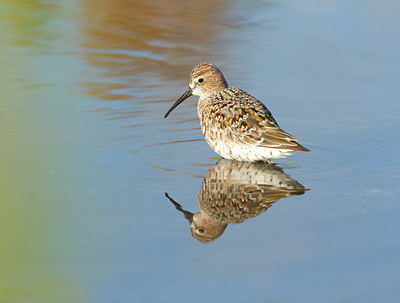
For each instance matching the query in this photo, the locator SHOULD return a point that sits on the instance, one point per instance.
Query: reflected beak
(188, 215)
(186, 95)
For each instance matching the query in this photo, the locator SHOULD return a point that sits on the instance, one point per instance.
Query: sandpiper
(235, 124)
(235, 191)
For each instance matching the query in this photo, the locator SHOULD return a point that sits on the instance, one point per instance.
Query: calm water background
(86, 156)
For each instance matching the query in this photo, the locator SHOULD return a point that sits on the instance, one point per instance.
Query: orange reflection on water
(139, 39)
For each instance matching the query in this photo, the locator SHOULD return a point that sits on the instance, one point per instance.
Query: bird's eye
(201, 230)
(200, 80)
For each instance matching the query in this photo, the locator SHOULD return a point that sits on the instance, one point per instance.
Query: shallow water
(87, 157)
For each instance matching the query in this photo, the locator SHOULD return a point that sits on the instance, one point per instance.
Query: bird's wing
(244, 120)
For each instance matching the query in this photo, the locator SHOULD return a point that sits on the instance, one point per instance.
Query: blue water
(91, 82)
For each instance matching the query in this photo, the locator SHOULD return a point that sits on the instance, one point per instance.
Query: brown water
(87, 157)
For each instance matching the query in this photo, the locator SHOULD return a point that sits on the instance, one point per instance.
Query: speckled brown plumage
(233, 192)
(236, 191)
(235, 124)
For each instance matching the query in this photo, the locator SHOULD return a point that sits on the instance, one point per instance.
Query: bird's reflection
(233, 192)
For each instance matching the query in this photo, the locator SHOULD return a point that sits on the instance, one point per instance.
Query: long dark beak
(186, 95)
(188, 215)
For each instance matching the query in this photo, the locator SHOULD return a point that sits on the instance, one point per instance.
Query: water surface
(87, 157)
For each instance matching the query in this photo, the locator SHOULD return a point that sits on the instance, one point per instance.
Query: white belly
(251, 153)
(228, 149)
